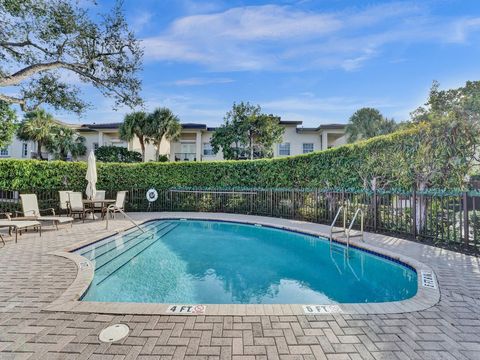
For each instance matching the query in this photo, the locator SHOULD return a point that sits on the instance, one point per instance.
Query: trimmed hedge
(334, 168)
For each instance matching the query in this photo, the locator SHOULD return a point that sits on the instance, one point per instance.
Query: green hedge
(340, 167)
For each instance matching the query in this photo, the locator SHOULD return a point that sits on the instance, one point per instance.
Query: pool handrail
(347, 233)
(340, 209)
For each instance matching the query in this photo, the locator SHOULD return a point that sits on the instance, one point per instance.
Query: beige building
(194, 141)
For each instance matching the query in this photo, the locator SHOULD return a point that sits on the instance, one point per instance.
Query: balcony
(185, 157)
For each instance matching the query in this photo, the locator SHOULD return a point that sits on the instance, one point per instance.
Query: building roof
(114, 125)
(289, 122)
(194, 126)
(322, 127)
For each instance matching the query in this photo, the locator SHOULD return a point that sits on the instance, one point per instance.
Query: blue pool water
(205, 262)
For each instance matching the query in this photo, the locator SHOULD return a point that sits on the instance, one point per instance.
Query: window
(95, 146)
(284, 149)
(25, 150)
(4, 151)
(307, 148)
(207, 149)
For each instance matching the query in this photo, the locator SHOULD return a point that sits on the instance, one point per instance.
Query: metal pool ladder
(128, 217)
(344, 229)
(347, 233)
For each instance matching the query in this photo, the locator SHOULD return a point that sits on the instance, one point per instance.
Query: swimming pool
(212, 262)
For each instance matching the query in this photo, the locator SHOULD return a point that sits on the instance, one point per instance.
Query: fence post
(414, 213)
(465, 219)
(375, 210)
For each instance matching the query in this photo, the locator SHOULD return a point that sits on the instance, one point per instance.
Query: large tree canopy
(43, 42)
(367, 123)
(247, 133)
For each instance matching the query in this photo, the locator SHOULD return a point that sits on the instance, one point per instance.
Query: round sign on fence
(152, 195)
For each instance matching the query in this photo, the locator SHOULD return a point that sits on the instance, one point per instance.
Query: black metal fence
(440, 217)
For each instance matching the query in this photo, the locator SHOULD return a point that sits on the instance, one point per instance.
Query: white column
(198, 147)
(324, 140)
(100, 138)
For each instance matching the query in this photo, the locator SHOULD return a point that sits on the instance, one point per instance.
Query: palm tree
(135, 124)
(163, 123)
(64, 141)
(36, 126)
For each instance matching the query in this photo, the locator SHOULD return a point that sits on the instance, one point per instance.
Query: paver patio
(31, 278)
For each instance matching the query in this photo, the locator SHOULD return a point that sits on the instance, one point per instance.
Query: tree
(247, 131)
(136, 124)
(64, 141)
(447, 147)
(36, 126)
(8, 120)
(368, 122)
(41, 40)
(117, 154)
(163, 123)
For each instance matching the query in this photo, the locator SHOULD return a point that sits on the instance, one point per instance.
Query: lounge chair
(18, 225)
(76, 205)
(64, 200)
(30, 211)
(118, 206)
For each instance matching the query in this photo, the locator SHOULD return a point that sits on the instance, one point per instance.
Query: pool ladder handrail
(340, 209)
(125, 215)
(347, 233)
(344, 230)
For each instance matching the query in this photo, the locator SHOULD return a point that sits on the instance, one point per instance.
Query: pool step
(94, 252)
(116, 263)
(116, 252)
(129, 242)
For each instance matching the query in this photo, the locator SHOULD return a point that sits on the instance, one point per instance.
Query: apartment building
(194, 141)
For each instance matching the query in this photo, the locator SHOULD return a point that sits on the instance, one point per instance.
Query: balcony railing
(185, 157)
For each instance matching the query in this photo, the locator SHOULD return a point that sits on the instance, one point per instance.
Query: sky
(313, 61)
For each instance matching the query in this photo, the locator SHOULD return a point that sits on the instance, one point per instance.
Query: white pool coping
(69, 301)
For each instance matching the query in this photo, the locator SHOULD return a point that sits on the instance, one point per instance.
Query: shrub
(163, 158)
(342, 167)
(117, 154)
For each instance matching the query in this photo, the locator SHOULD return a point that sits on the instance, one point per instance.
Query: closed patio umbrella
(91, 176)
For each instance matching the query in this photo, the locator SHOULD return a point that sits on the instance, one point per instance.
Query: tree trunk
(421, 208)
(251, 148)
(157, 152)
(142, 146)
(39, 150)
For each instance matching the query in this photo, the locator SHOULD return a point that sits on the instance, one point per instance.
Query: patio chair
(77, 206)
(118, 206)
(64, 202)
(99, 195)
(30, 211)
(18, 226)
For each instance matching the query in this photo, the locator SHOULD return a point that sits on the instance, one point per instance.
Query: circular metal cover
(114, 333)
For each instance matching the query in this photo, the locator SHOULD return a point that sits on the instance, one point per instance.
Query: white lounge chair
(30, 211)
(18, 225)
(118, 206)
(64, 200)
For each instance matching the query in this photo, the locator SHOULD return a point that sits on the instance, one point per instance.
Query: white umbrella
(91, 176)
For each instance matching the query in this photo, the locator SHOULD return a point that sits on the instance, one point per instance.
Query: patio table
(91, 203)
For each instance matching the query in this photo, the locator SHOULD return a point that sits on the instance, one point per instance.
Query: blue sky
(315, 61)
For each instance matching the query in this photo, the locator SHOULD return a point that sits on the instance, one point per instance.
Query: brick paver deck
(31, 278)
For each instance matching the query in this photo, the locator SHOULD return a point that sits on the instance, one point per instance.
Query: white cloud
(198, 81)
(276, 37)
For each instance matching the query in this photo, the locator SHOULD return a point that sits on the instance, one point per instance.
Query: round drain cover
(114, 333)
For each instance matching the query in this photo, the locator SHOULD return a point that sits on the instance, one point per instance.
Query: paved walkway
(30, 279)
